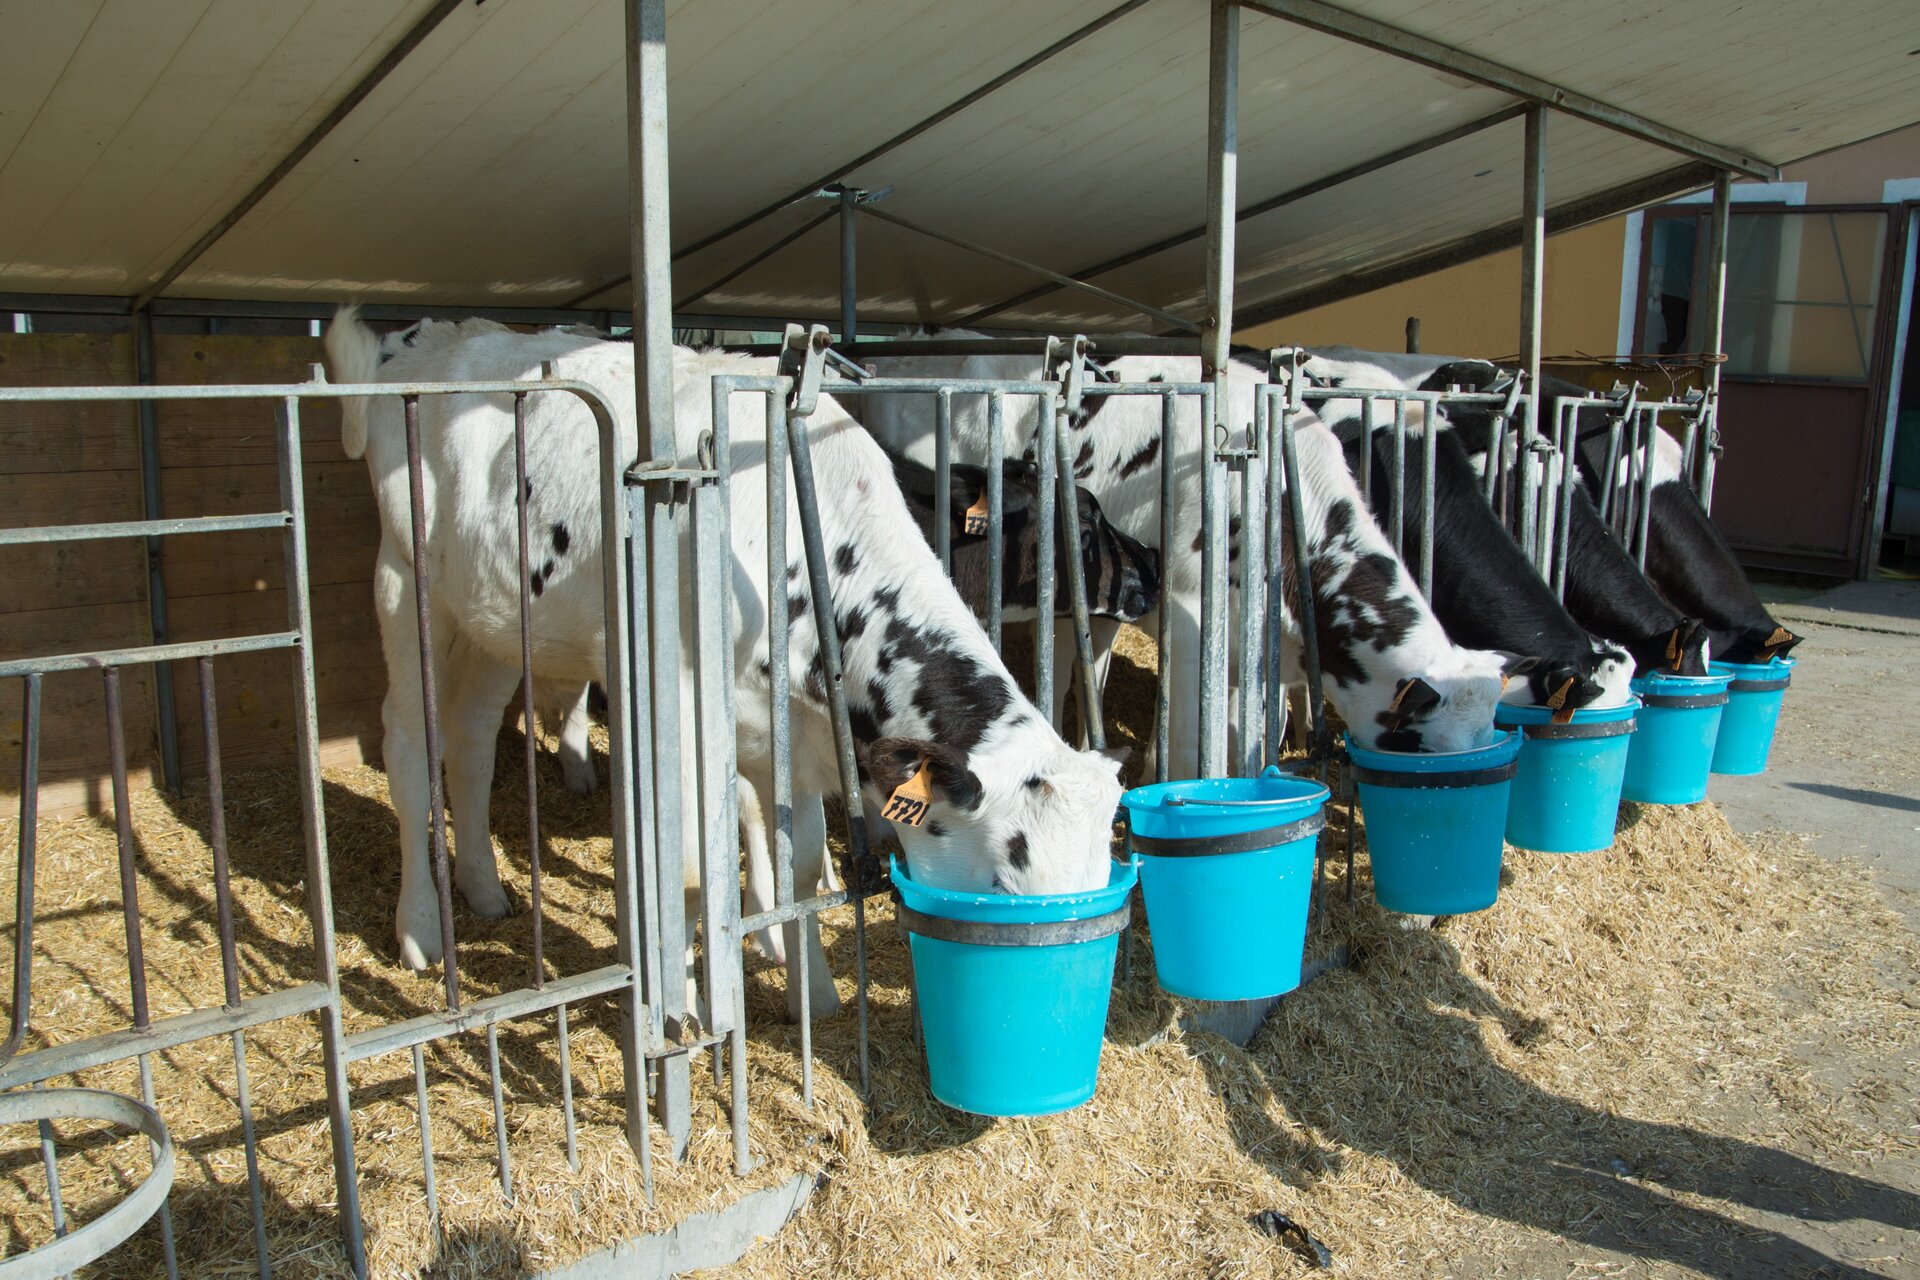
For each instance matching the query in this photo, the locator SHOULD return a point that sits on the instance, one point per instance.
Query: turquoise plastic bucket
(1673, 743)
(1013, 991)
(1226, 869)
(1434, 824)
(1567, 792)
(1753, 712)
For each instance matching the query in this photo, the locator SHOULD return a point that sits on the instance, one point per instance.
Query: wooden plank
(65, 574)
(197, 433)
(40, 439)
(73, 726)
(343, 531)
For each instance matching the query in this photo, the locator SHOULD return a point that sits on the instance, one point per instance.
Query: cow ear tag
(1673, 648)
(1562, 713)
(911, 799)
(976, 516)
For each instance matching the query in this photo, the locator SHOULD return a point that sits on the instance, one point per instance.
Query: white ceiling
(489, 168)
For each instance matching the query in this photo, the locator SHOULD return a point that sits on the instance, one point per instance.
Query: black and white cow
(1120, 575)
(1394, 675)
(1606, 595)
(1012, 806)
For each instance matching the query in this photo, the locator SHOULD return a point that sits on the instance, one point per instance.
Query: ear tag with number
(911, 799)
(976, 516)
(1562, 713)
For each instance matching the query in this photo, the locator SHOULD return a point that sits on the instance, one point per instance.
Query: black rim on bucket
(1237, 842)
(1597, 729)
(1758, 686)
(1435, 781)
(1684, 701)
(988, 933)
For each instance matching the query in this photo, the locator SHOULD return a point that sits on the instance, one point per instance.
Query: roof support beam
(1346, 25)
(1065, 282)
(897, 140)
(341, 110)
(1594, 208)
(1255, 210)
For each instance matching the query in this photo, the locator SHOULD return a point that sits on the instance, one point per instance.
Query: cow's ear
(1515, 664)
(1119, 756)
(892, 761)
(1412, 699)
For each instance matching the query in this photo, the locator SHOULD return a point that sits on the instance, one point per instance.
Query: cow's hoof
(581, 778)
(419, 952)
(491, 901)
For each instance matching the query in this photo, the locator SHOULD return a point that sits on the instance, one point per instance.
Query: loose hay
(1601, 1059)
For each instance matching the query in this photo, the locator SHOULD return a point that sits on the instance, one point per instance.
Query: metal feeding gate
(321, 995)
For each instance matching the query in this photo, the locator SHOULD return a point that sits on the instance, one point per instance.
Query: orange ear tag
(911, 799)
(1673, 648)
(1562, 713)
(976, 516)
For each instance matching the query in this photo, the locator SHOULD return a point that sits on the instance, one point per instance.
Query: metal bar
(1054, 423)
(430, 700)
(779, 654)
(566, 1085)
(654, 962)
(290, 390)
(1162, 724)
(1429, 444)
(1713, 337)
(1413, 322)
(849, 261)
(25, 856)
(521, 491)
(1568, 442)
(319, 882)
(1271, 203)
(520, 1003)
(49, 1162)
(217, 835)
(715, 754)
(1275, 569)
(148, 653)
(1644, 525)
(1216, 337)
(897, 140)
(943, 479)
(123, 834)
(1303, 577)
(140, 528)
(1479, 244)
(168, 1254)
(426, 1140)
(1346, 25)
(1533, 260)
(808, 500)
(689, 299)
(1054, 533)
(380, 70)
(996, 513)
(243, 1091)
(1067, 282)
(156, 578)
(501, 1159)
(1253, 557)
(1398, 510)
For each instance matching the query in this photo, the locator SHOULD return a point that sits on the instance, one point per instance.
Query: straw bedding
(1469, 1092)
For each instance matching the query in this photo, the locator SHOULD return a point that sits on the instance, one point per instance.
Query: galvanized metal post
(156, 579)
(849, 198)
(1713, 334)
(1413, 335)
(1533, 251)
(650, 247)
(1216, 336)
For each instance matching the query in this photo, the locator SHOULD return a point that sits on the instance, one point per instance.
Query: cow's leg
(576, 752)
(809, 856)
(477, 691)
(416, 917)
(1066, 663)
(754, 835)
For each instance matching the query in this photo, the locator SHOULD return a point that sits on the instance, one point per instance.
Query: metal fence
(319, 996)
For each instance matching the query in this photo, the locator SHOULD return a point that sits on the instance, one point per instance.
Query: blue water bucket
(1754, 696)
(1567, 792)
(1226, 868)
(1013, 991)
(1435, 822)
(1673, 743)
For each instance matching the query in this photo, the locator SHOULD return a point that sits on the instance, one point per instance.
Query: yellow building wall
(1474, 309)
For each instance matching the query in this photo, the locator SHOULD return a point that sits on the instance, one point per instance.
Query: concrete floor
(1845, 769)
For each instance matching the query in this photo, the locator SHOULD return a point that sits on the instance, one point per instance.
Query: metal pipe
(156, 578)
(943, 479)
(319, 884)
(1413, 335)
(1649, 433)
(1713, 337)
(1321, 742)
(849, 263)
(1275, 570)
(1216, 336)
(1055, 423)
(1162, 725)
(522, 489)
(25, 857)
(996, 508)
(1398, 510)
(1067, 282)
(1429, 443)
(1533, 256)
(1253, 556)
(780, 735)
(1401, 43)
(1053, 532)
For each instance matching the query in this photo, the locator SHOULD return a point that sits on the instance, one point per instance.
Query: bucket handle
(1593, 729)
(1233, 842)
(1758, 686)
(1684, 701)
(994, 933)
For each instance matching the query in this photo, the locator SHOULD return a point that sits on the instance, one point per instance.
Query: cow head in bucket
(1448, 707)
(1022, 831)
